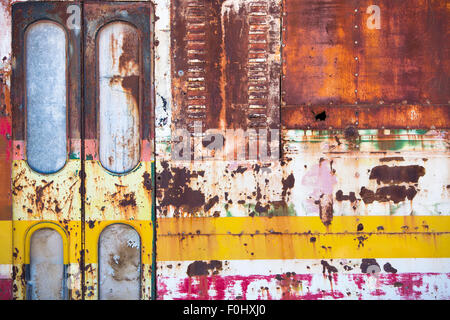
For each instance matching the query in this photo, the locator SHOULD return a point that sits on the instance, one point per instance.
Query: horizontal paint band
(366, 117)
(268, 238)
(91, 150)
(75, 150)
(305, 279)
(176, 269)
(295, 225)
(71, 231)
(302, 238)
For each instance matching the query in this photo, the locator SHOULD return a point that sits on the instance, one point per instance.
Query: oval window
(46, 266)
(119, 263)
(46, 101)
(119, 96)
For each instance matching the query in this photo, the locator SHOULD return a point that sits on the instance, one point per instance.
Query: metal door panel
(37, 197)
(123, 196)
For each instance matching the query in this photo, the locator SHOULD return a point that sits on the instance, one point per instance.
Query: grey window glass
(119, 263)
(46, 90)
(119, 96)
(46, 265)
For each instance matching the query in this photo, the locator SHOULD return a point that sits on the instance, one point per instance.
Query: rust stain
(203, 268)
(390, 193)
(178, 192)
(147, 182)
(397, 174)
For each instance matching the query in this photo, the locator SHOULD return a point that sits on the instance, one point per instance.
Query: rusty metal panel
(226, 62)
(39, 198)
(118, 74)
(366, 117)
(97, 15)
(335, 55)
(240, 230)
(345, 213)
(318, 52)
(353, 209)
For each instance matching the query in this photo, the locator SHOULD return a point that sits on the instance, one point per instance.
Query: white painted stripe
(308, 266)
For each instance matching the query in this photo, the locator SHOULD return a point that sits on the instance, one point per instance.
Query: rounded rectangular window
(119, 263)
(46, 96)
(46, 266)
(119, 96)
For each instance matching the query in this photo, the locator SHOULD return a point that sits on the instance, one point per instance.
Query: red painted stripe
(409, 286)
(6, 289)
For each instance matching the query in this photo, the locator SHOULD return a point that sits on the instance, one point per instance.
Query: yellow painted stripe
(6, 242)
(264, 238)
(71, 230)
(292, 238)
(340, 224)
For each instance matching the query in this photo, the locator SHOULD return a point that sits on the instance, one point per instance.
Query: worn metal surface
(324, 117)
(332, 56)
(118, 145)
(39, 198)
(357, 205)
(341, 199)
(337, 279)
(225, 63)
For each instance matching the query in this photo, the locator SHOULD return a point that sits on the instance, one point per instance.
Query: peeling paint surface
(342, 279)
(354, 207)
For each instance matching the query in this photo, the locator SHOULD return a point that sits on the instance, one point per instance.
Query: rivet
(356, 27)
(356, 10)
(356, 58)
(356, 42)
(356, 74)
